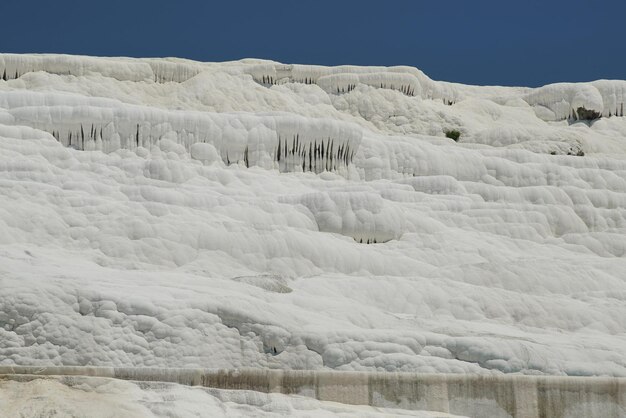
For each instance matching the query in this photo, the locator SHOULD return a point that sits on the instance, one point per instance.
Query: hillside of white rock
(170, 213)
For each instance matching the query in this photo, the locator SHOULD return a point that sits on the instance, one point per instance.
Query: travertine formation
(466, 395)
(167, 213)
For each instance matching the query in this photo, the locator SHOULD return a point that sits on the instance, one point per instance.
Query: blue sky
(524, 42)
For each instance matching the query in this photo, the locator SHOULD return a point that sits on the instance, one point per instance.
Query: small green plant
(453, 134)
(584, 114)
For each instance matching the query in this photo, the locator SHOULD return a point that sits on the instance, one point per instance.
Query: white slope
(172, 213)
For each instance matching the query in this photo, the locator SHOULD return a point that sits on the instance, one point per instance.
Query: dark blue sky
(521, 42)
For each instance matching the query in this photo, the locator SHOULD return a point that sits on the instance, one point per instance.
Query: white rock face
(104, 398)
(172, 213)
(460, 394)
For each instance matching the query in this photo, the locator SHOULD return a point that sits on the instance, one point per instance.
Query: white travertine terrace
(169, 213)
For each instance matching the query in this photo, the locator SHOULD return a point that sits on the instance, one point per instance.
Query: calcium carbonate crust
(163, 212)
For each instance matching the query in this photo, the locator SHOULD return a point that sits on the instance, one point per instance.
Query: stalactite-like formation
(370, 241)
(292, 153)
(13, 66)
(266, 80)
(157, 77)
(318, 156)
(341, 83)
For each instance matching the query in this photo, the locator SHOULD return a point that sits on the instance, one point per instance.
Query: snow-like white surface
(189, 242)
